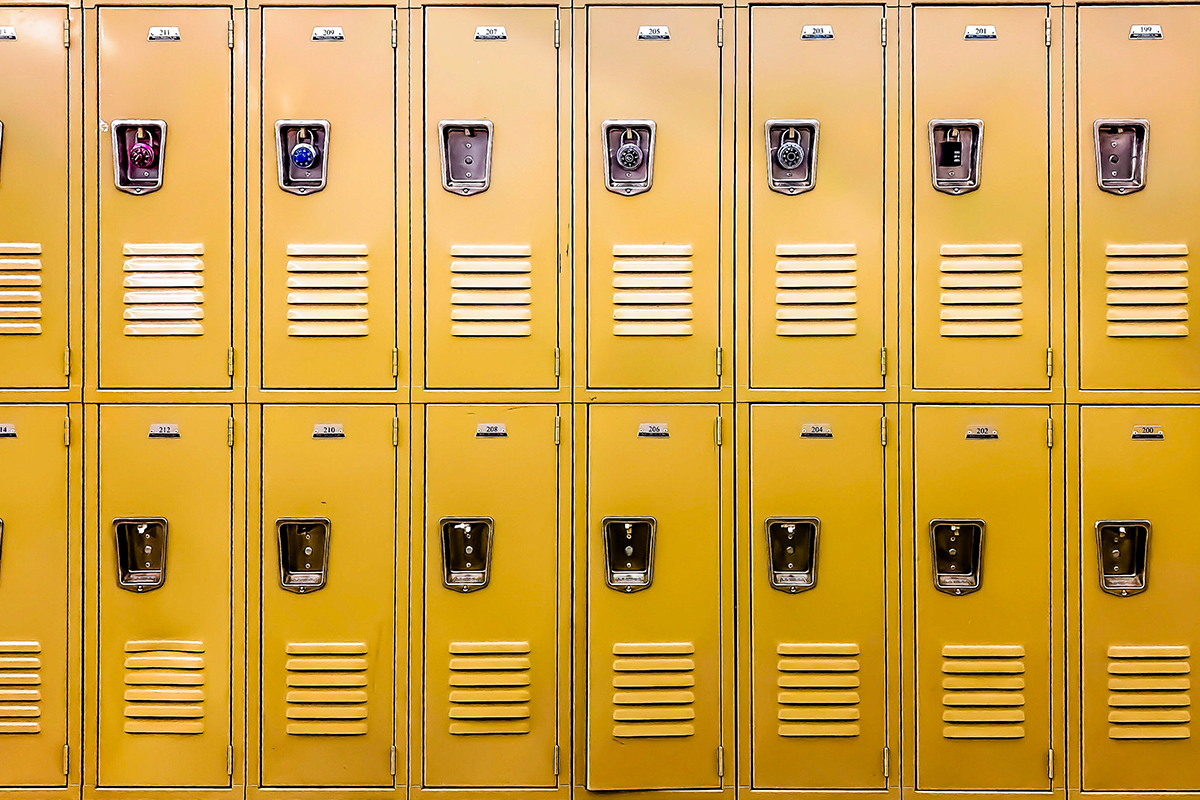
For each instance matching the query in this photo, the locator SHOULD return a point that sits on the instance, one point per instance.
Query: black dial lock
(142, 154)
(629, 156)
(628, 148)
(139, 148)
(790, 155)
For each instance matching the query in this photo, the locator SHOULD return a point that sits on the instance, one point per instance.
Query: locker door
(818, 597)
(1133, 242)
(34, 260)
(816, 235)
(491, 640)
(981, 300)
(166, 596)
(654, 77)
(983, 604)
(329, 245)
(654, 656)
(328, 616)
(1139, 466)
(34, 595)
(165, 253)
(491, 254)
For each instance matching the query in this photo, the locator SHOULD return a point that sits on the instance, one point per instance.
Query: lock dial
(304, 155)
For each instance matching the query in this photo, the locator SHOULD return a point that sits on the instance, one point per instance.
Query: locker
(1136, 214)
(654, 643)
(492, 638)
(165, 248)
(35, 261)
(816, 230)
(328, 595)
(166, 579)
(653, 196)
(328, 145)
(980, 235)
(983, 598)
(818, 592)
(37, 680)
(492, 156)
(1137, 583)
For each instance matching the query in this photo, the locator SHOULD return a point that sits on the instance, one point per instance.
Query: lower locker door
(1139, 506)
(166, 583)
(328, 616)
(818, 597)
(491, 587)
(34, 590)
(984, 605)
(654, 656)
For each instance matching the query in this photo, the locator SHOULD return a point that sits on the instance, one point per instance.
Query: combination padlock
(790, 154)
(629, 154)
(304, 154)
(141, 152)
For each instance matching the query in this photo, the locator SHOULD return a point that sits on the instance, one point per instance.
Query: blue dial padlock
(304, 155)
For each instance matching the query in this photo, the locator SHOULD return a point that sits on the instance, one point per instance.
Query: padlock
(790, 154)
(141, 152)
(304, 154)
(629, 154)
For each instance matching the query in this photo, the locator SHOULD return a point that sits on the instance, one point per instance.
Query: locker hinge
(67, 32)
(66, 759)
(229, 432)
(395, 43)
(395, 362)
(557, 361)
(719, 360)
(1050, 764)
(720, 430)
(1047, 31)
(720, 32)
(229, 362)
(1050, 433)
(393, 762)
(556, 45)
(883, 431)
(555, 759)
(395, 434)
(887, 762)
(883, 361)
(883, 41)
(229, 30)
(229, 760)
(67, 432)
(720, 762)
(557, 429)
(1049, 362)
(67, 361)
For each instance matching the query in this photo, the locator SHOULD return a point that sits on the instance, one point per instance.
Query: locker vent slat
(327, 290)
(490, 290)
(652, 290)
(326, 688)
(981, 291)
(164, 687)
(20, 686)
(20, 290)
(1146, 291)
(1148, 687)
(817, 682)
(984, 696)
(654, 683)
(164, 289)
(817, 290)
(489, 688)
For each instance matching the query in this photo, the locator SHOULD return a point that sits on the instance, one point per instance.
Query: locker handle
(792, 548)
(1123, 547)
(629, 552)
(957, 546)
(303, 553)
(302, 155)
(139, 154)
(628, 155)
(955, 151)
(792, 155)
(466, 151)
(466, 552)
(1121, 154)
(141, 552)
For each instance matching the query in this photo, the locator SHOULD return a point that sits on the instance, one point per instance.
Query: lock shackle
(137, 137)
(631, 133)
(791, 131)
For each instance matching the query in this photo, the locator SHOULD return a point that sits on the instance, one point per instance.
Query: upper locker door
(653, 196)
(491, 197)
(328, 144)
(165, 540)
(491, 649)
(654, 646)
(816, 229)
(34, 155)
(1137, 217)
(34, 594)
(1140, 630)
(980, 241)
(819, 656)
(328, 595)
(983, 598)
(166, 257)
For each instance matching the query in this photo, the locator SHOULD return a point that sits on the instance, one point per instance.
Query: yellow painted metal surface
(654, 656)
(34, 153)
(329, 290)
(328, 654)
(1136, 650)
(819, 655)
(981, 271)
(492, 259)
(490, 656)
(37, 681)
(984, 675)
(816, 258)
(164, 653)
(165, 257)
(1134, 291)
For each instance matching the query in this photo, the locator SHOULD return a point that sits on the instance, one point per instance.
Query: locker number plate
(8, 430)
(328, 431)
(654, 430)
(654, 33)
(491, 33)
(1152, 433)
(163, 34)
(817, 32)
(1145, 32)
(980, 32)
(982, 432)
(811, 431)
(329, 34)
(491, 430)
(164, 430)
(8, 33)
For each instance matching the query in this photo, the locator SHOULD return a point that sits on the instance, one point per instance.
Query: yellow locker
(491, 648)
(492, 157)
(983, 598)
(34, 156)
(980, 241)
(816, 196)
(653, 196)
(654, 644)
(1138, 566)
(166, 596)
(818, 592)
(36, 681)
(328, 144)
(1136, 216)
(165, 247)
(328, 595)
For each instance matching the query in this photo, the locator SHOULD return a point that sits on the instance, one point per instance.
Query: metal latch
(629, 552)
(139, 150)
(1123, 546)
(467, 552)
(628, 155)
(1121, 154)
(955, 147)
(302, 154)
(466, 147)
(792, 155)
(303, 553)
(141, 552)
(957, 555)
(792, 547)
